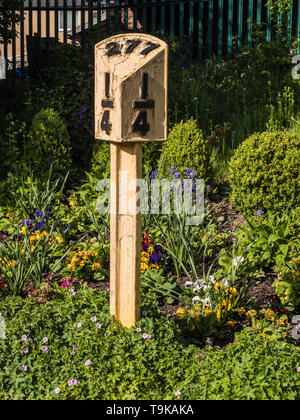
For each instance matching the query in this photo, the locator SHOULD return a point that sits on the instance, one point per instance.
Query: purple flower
(45, 340)
(208, 187)
(94, 319)
(74, 348)
(57, 390)
(25, 351)
(24, 368)
(144, 313)
(260, 212)
(73, 353)
(154, 174)
(138, 330)
(177, 394)
(79, 325)
(45, 349)
(24, 338)
(298, 369)
(209, 341)
(146, 336)
(98, 326)
(87, 363)
(73, 382)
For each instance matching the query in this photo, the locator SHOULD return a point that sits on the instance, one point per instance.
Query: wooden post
(125, 236)
(130, 108)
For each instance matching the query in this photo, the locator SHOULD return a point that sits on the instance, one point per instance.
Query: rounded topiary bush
(186, 148)
(264, 172)
(48, 143)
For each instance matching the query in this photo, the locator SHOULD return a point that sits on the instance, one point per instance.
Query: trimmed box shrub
(48, 143)
(264, 172)
(186, 148)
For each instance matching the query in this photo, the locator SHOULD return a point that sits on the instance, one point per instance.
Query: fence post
(269, 26)
(250, 22)
(200, 32)
(229, 23)
(240, 26)
(220, 29)
(209, 29)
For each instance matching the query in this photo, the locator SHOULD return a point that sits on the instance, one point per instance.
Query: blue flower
(260, 212)
(154, 174)
(39, 213)
(66, 229)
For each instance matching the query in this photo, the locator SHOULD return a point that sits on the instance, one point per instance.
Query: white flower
(188, 284)
(225, 282)
(196, 299)
(206, 301)
(196, 288)
(211, 278)
(238, 260)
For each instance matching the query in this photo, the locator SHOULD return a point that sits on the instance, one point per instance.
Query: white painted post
(131, 73)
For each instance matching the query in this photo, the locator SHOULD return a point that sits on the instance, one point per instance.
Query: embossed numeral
(133, 43)
(105, 124)
(141, 124)
(151, 47)
(113, 49)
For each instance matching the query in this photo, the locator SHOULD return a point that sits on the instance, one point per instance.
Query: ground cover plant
(219, 299)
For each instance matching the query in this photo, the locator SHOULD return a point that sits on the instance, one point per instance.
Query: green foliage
(10, 152)
(264, 172)
(8, 16)
(30, 193)
(186, 147)
(124, 365)
(271, 241)
(48, 143)
(287, 284)
(29, 256)
(100, 164)
(281, 113)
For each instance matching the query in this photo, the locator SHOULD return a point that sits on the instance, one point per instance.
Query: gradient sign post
(131, 73)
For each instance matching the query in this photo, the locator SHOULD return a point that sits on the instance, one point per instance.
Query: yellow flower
(144, 267)
(207, 311)
(96, 266)
(218, 285)
(241, 310)
(73, 203)
(59, 239)
(180, 311)
(23, 230)
(269, 314)
(251, 314)
(230, 323)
